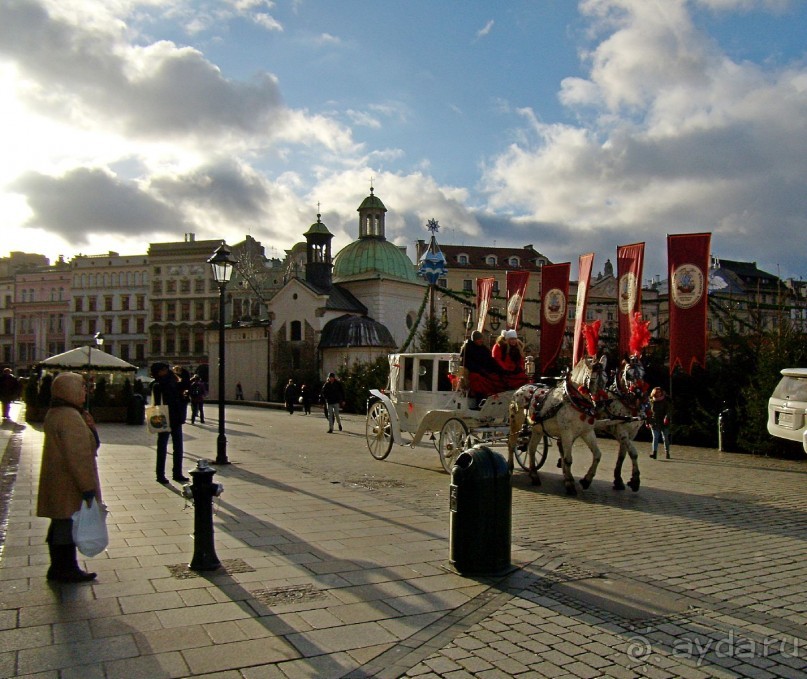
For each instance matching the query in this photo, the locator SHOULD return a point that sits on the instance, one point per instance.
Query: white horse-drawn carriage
(427, 394)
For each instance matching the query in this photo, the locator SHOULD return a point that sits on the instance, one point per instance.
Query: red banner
(688, 268)
(484, 293)
(586, 263)
(516, 289)
(554, 300)
(629, 261)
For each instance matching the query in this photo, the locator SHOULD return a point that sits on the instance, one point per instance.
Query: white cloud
(486, 29)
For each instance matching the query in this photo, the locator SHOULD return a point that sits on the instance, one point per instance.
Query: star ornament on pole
(433, 263)
(433, 225)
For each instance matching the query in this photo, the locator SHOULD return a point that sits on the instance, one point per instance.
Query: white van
(787, 407)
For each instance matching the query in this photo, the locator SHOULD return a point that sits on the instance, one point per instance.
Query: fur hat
(511, 334)
(69, 387)
(475, 335)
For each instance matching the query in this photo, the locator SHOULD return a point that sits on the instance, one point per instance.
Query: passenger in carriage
(508, 352)
(485, 375)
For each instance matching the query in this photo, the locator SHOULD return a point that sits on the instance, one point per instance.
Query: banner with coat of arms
(516, 289)
(688, 268)
(584, 267)
(554, 302)
(484, 293)
(629, 262)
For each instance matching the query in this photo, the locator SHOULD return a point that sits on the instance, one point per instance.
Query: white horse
(625, 410)
(566, 412)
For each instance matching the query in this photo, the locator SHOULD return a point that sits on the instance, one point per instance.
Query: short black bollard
(480, 513)
(727, 430)
(203, 490)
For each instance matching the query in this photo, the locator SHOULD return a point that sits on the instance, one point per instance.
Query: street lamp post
(99, 342)
(222, 266)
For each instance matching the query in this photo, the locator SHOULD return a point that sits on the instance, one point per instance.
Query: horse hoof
(560, 462)
(585, 483)
(571, 491)
(619, 484)
(634, 484)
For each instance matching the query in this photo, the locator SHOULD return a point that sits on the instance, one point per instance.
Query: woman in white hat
(509, 354)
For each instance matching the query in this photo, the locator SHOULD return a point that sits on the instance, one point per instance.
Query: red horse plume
(639, 334)
(591, 331)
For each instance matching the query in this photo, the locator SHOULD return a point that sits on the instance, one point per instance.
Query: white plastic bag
(157, 419)
(89, 529)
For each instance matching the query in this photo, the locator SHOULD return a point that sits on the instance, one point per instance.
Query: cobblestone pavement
(700, 574)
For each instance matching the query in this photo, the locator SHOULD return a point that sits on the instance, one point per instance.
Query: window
(490, 260)
(92, 303)
(199, 285)
(170, 344)
(185, 286)
(296, 331)
(495, 287)
(157, 311)
(171, 287)
(107, 326)
(124, 302)
(78, 326)
(442, 282)
(184, 342)
(140, 352)
(199, 310)
(124, 351)
(467, 285)
(198, 342)
(92, 326)
(124, 326)
(107, 302)
(214, 311)
(141, 302)
(185, 310)
(171, 312)
(157, 287)
(462, 259)
(78, 304)
(514, 261)
(156, 345)
(141, 325)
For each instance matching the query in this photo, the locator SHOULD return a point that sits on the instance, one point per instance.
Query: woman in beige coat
(69, 473)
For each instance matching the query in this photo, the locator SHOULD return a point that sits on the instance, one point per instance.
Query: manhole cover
(181, 571)
(374, 484)
(292, 594)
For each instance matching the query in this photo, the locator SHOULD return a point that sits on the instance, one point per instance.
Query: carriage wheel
(378, 429)
(540, 455)
(452, 442)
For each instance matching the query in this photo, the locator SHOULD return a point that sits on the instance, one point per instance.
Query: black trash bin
(136, 410)
(480, 513)
(727, 430)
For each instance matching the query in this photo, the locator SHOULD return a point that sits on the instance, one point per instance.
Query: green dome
(372, 256)
(318, 228)
(372, 202)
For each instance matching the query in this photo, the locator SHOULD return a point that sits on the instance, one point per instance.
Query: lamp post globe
(222, 265)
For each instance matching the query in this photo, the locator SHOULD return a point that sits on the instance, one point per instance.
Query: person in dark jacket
(167, 390)
(305, 398)
(9, 391)
(485, 375)
(197, 393)
(658, 420)
(290, 396)
(333, 394)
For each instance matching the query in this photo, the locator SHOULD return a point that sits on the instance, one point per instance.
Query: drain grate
(375, 484)
(292, 594)
(181, 571)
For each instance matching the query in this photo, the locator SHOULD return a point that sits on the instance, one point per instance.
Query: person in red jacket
(509, 354)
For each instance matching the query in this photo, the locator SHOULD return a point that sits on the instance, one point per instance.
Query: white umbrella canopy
(87, 358)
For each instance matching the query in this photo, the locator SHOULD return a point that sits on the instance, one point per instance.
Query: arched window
(514, 261)
(490, 260)
(462, 259)
(296, 331)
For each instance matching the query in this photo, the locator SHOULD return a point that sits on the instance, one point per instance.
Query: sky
(572, 126)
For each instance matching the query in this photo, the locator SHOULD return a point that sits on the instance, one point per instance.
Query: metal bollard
(202, 490)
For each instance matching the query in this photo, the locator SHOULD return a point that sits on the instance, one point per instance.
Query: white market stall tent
(107, 377)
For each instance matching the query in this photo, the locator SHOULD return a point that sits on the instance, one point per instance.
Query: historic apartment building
(109, 296)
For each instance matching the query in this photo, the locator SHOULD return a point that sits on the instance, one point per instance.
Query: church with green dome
(334, 311)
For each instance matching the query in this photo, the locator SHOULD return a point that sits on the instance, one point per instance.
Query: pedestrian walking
(290, 396)
(198, 393)
(239, 392)
(68, 473)
(333, 395)
(166, 391)
(10, 389)
(658, 420)
(305, 398)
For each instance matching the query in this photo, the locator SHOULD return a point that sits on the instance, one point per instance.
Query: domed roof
(371, 202)
(355, 331)
(368, 256)
(318, 228)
